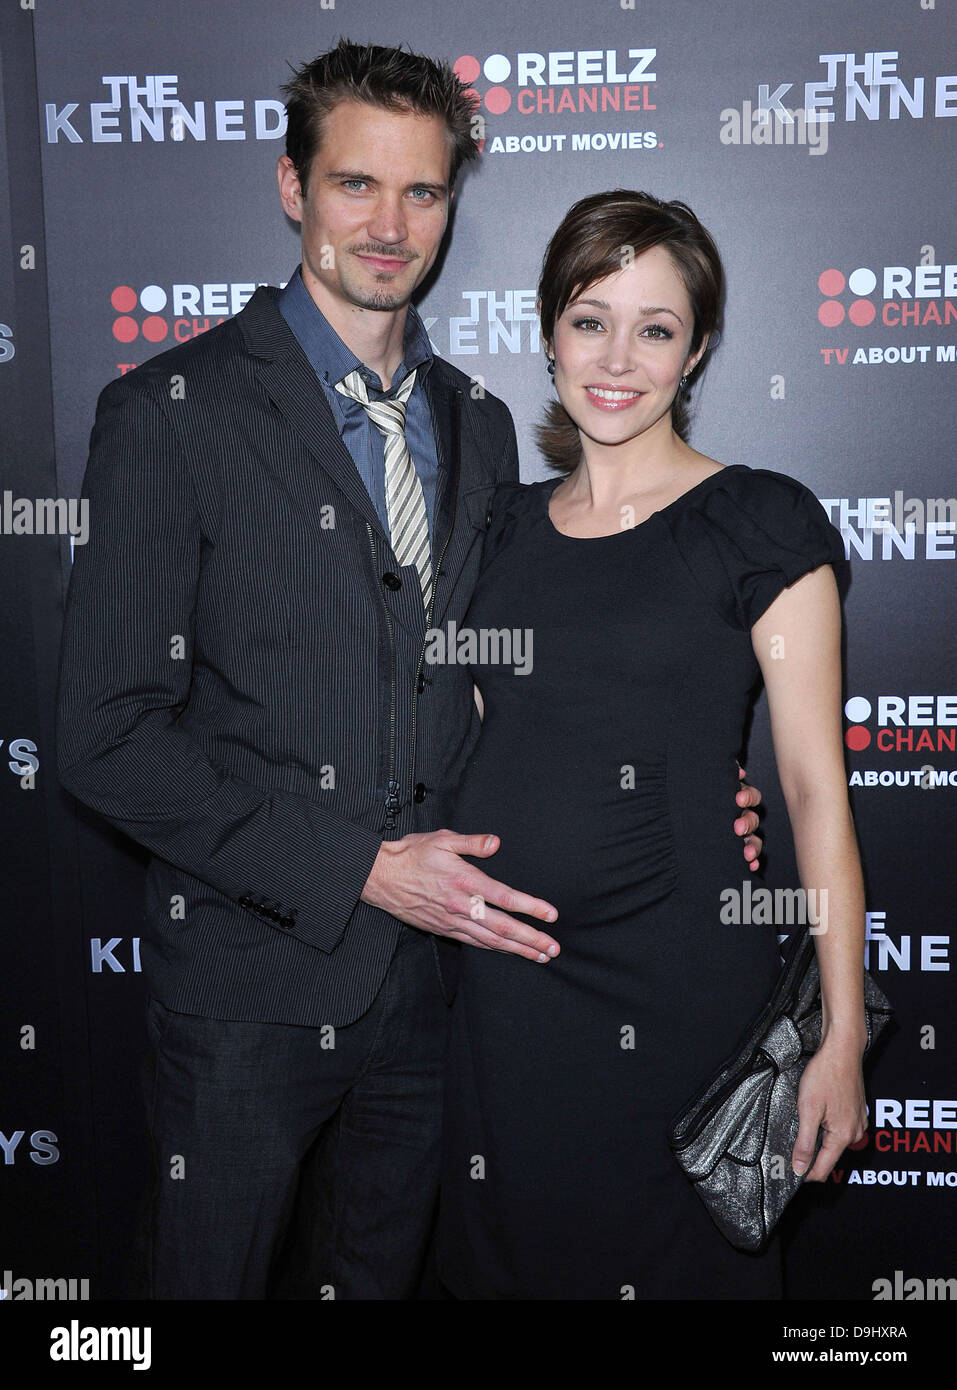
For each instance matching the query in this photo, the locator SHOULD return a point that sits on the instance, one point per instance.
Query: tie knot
(388, 415)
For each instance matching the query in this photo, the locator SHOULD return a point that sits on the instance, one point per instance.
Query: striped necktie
(404, 498)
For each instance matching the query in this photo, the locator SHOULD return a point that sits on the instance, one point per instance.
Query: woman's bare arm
(797, 642)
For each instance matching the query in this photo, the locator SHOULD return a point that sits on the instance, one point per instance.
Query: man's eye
(426, 194)
(353, 183)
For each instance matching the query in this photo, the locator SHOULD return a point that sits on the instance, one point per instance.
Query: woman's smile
(611, 397)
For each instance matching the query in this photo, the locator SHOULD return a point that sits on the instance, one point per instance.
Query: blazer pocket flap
(478, 504)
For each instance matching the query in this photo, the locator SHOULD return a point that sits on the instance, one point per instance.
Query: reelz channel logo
(182, 312)
(907, 296)
(566, 82)
(901, 298)
(905, 724)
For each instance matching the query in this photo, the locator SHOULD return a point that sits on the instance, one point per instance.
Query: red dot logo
(832, 283)
(857, 738)
(467, 68)
(154, 329)
(125, 329)
(125, 300)
(496, 69)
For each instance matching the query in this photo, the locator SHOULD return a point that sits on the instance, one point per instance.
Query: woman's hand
(830, 1096)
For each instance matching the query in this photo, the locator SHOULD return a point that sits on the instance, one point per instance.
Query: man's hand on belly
(422, 880)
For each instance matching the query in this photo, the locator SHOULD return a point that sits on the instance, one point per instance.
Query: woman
(658, 587)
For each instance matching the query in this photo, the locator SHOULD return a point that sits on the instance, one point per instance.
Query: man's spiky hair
(386, 77)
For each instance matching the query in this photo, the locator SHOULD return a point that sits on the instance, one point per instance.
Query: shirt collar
(330, 357)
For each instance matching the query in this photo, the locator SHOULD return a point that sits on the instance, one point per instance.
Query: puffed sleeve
(509, 505)
(751, 534)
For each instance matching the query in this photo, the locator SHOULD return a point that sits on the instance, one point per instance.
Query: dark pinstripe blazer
(239, 685)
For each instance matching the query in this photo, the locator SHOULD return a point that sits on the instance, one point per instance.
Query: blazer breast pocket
(478, 505)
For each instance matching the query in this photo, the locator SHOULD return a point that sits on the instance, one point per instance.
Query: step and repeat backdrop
(816, 142)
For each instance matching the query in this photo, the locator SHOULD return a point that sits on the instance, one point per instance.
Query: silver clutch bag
(734, 1137)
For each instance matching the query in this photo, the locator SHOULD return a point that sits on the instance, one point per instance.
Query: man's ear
(290, 190)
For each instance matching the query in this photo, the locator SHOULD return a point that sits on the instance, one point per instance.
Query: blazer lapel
(291, 385)
(464, 484)
(289, 381)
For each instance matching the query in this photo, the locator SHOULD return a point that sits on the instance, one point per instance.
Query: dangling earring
(551, 366)
(682, 384)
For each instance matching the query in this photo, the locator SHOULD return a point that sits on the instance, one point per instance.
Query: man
(281, 508)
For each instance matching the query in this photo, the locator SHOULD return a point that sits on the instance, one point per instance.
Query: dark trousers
(295, 1162)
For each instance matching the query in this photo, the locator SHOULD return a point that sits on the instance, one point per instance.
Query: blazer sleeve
(120, 748)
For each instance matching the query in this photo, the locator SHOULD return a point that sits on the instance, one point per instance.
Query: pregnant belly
(591, 838)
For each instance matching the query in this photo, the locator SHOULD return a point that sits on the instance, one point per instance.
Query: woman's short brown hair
(597, 238)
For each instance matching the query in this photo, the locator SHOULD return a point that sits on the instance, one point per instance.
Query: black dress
(608, 770)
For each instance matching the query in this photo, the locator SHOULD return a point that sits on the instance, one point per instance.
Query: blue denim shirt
(332, 360)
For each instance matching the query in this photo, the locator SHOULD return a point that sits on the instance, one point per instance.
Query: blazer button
(419, 792)
(421, 683)
(391, 581)
(488, 518)
(245, 901)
